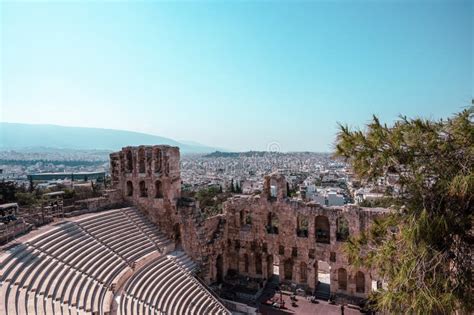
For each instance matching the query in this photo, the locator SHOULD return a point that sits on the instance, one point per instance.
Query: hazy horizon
(236, 75)
(274, 149)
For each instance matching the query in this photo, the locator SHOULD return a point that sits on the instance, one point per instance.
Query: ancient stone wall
(270, 227)
(253, 232)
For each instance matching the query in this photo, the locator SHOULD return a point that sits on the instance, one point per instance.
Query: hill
(28, 136)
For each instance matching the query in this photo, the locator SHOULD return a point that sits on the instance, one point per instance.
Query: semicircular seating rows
(167, 286)
(73, 267)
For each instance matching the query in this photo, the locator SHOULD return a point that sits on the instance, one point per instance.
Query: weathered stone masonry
(149, 177)
(252, 232)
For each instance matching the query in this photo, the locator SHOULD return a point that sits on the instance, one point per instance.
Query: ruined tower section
(149, 178)
(275, 186)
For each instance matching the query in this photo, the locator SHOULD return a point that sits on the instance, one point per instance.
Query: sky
(239, 75)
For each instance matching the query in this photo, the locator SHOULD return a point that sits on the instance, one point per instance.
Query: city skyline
(240, 76)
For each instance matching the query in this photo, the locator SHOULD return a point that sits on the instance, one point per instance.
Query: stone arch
(269, 266)
(288, 269)
(129, 188)
(177, 233)
(149, 159)
(158, 189)
(114, 165)
(246, 262)
(143, 190)
(342, 229)
(342, 279)
(157, 159)
(303, 272)
(167, 165)
(141, 160)
(129, 158)
(258, 264)
(274, 186)
(322, 229)
(219, 269)
(272, 223)
(360, 282)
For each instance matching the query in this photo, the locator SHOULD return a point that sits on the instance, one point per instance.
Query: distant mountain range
(29, 136)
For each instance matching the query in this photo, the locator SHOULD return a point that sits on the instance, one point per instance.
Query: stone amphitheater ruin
(161, 255)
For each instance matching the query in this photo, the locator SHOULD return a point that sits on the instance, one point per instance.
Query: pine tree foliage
(423, 249)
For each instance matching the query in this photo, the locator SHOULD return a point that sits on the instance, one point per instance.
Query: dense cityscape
(317, 177)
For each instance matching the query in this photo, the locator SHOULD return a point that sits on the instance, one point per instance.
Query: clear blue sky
(238, 75)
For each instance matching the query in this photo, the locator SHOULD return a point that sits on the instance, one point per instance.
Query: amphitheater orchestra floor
(305, 307)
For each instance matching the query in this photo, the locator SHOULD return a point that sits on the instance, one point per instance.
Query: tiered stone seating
(72, 268)
(167, 286)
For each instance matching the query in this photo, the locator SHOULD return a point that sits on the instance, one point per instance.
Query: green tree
(232, 188)
(7, 191)
(211, 200)
(27, 199)
(69, 193)
(423, 248)
(238, 188)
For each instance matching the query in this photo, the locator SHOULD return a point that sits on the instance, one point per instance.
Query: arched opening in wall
(377, 285)
(158, 189)
(245, 220)
(248, 219)
(342, 279)
(149, 159)
(360, 282)
(272, 267)
(272, 223)
(303, 273)
(288, 269)
(342, 229)
(323, 277)
(273, 188)
(177, 234)
(302, 226)
(114, 168)
(157, 159)
(322, 229)
(219, 269)
(129, 159)
(143, 190)
(258, 264)
(233, 264)
(246, 263)
(167, 165)
(129, 189)
(141, 160)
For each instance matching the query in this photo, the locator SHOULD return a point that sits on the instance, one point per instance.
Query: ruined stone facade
(253, 232)
(271, 226)
(149, 177)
